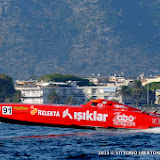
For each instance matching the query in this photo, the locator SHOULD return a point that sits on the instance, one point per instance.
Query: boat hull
(77, 116)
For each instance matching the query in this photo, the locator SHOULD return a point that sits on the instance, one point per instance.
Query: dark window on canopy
(94, 104)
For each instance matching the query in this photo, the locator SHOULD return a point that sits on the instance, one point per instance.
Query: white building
(100, 92)
(35, 95)
(150, 80)
(38, 93)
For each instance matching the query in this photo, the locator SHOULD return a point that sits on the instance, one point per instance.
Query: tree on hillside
(56, 77)
(124, 91)
(71, 100)
(54, 97)
(153, 86)
(7, 91)
(16, 97)
(137, 92)
(152, 89)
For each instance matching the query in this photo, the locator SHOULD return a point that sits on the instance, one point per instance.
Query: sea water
(41, 142)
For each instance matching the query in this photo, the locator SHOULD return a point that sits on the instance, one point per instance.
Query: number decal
(7, 110)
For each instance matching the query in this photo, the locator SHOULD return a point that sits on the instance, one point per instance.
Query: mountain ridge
(79, 37)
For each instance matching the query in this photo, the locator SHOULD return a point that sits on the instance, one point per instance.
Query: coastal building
(100, 81)
(150, 80)
(116, 78)
(100, 92)
(38, 92)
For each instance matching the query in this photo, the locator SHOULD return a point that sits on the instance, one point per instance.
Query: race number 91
(7, 110)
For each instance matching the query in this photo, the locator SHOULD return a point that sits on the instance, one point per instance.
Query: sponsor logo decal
(43, 112)
(156, 121)
(66, 113)
(85, 116)
(120, 106)
(20, 108)
(123, 120)
(100, 105)
(48, 113)
(33, 110)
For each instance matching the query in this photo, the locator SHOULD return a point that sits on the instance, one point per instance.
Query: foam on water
(155, 130)
(152, 130)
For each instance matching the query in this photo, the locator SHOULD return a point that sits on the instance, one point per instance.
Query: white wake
(151, 130)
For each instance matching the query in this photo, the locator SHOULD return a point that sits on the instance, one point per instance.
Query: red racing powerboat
(96, 113)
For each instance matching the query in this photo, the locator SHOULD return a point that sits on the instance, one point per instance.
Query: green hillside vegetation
(7, 91)
(57, 77)
(79, 37)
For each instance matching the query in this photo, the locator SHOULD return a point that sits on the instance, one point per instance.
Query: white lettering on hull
(87, 116)
(123, 120)
(48, 113)
(79, 116)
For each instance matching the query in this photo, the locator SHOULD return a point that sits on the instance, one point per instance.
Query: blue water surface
(41, 142)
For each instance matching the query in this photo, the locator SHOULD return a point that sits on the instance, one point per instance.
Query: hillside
(79, 37)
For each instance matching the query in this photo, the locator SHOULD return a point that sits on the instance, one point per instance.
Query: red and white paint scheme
(96, 113)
